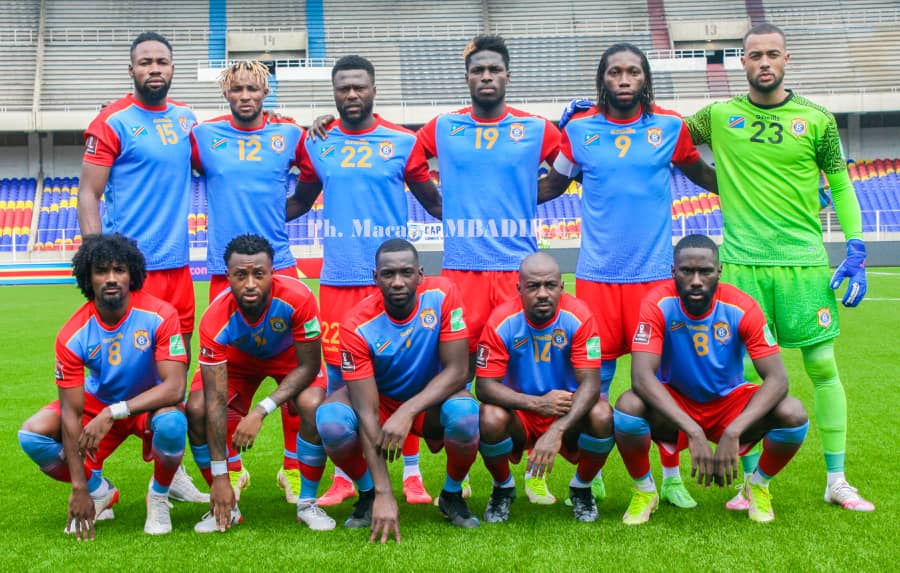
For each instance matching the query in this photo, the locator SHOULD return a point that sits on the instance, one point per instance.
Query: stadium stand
(16, 206)
(58, 216)
(18, 40)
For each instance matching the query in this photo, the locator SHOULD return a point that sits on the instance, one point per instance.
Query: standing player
(403, 356)
(246, 157)
(539, 384)
(688, 385)
(361, 163)
(264, 326)
(137, 153)
(769, 146)
(488, 157)
(624, 147)
(130, 344)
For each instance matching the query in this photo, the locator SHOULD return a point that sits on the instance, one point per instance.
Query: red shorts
(334, 303)
(176, 287)
(482, 292)
(387, 406)
(137, 425)
(714, 416)
(616, 308)
(246, 373)
(218, 283)
(536, 426)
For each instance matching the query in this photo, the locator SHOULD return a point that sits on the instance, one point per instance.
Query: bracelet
(268, 405)
(119, 410)
(218, 468)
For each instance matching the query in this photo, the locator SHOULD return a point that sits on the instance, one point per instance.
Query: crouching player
(263, 326)
(404, 357)
(131, 345)
(688, 385)
(538, 368)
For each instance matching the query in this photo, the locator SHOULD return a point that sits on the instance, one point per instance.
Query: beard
(365, 111)
(113, 304)
(153, 94)
(614, 102)
(768, 88)
(249, 117)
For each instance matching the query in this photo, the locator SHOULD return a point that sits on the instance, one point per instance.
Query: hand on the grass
(385, 518)
(93, 433)
(393, 434)
(727, 460)
(554, 403)
(221, 501)
(703, 463)
(540, 460)
(81, 515)
(247, 430)
(854, 268)
(317, 129)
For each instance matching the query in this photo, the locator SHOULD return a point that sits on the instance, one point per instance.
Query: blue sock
(312, 460)
(607, 373)
(365, 483)
(201, 456)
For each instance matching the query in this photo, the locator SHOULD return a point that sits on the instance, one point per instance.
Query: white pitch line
(876, 299)
(883, 274)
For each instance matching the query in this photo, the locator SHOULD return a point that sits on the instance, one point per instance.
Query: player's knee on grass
(337, 424)
(43, 450)
(169, 431)
(459, 417)
(789, 413)
(493, 423)
(819, 362)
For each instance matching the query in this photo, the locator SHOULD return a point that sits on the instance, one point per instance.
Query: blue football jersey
(246, 183)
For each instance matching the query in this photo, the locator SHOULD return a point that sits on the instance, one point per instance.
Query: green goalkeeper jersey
(768, 161)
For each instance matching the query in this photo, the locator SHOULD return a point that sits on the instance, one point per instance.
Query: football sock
(290, 430)
(671, 472)
(633, 440)
(97, 485)
(47, 453)
(459, 416)
(311, 459)
(830, 402)
(592, 455)
(779, 446)
(339, 429)
(339, 473)
(411, 463)
(202, 459)
(167, 447)
(496, 460)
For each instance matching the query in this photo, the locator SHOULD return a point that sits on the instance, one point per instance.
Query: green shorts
(798, 302)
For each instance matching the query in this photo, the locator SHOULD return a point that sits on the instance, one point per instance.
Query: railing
(291, 63)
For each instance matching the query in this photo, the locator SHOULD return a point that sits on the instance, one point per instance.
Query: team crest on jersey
(736, 121)
(347, 362)
(386, 149)
(559, 338)
(824, 317)
(482, 355)
(219, 142)
(721, 332)
(185, 124)
(93, 351)
(798, 127)
(141, 340)
(654, 136)
(591, 139)
(277, 143)
(326, 151)
(642, 334)
(138, 131)
(517, 131)
(428, 318)
(457, 129)
(278, 324)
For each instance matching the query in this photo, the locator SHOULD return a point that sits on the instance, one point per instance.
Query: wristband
(119, 410)
(268, 405)
(218, 468)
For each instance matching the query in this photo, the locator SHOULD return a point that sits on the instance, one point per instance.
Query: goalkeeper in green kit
(769, 146)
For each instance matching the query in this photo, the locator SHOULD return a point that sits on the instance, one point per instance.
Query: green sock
(830, 402)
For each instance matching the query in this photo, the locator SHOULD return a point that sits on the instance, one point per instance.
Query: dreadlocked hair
(646, 95)
(257, 70)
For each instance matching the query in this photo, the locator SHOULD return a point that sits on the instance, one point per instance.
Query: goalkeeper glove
(854, 268)
(575, 106)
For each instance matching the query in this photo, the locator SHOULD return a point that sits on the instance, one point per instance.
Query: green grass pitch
(807, 534)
